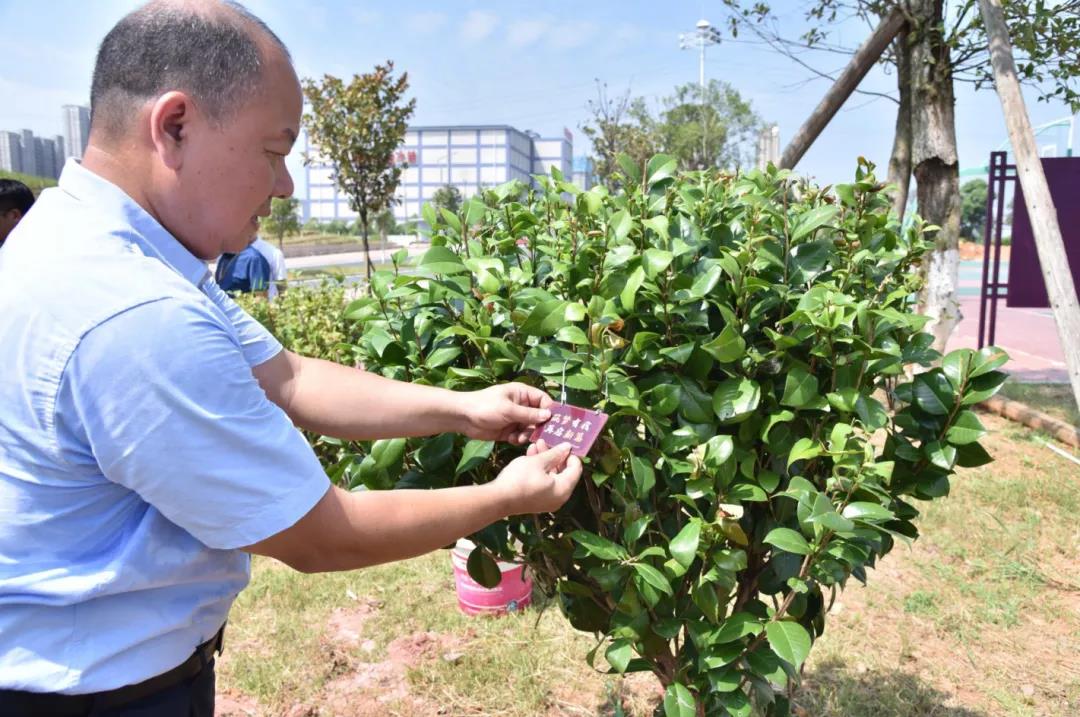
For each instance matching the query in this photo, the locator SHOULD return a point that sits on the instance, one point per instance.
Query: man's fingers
(554, 458)
(571, 471)
(528, 415)
(533, 396)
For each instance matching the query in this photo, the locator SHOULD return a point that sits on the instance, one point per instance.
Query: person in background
(246, 271)
(15, 201)
(276, 259)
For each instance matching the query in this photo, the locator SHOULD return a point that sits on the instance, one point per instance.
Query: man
(276, 259)
(147, 439)
(15, 201)
(248, 271)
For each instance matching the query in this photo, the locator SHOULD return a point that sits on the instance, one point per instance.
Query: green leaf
(684, 546)
(622, 223)
(660, 168)
(441, 356)
(679, 702)
(834, 522)
(440, 260)
(545, 319)
(633, 283)
(933, 393)
(871, 412)
(475, 453)
(804, 449)
(655, 261)
(800, 388)
(987, 360)
(483, 568)
(867, 511)
(941, 455)
(653, 577)
(619, 654)
(790, 641)
(788, 540)
(737, 626)
(728, 346)
(813, 219)
(598, 547)
(735, 399)
(644, 476)
(706, 281)
(967, 428)
(629, 167)
(972, 455)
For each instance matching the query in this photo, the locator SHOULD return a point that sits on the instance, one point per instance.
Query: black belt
(48, 703)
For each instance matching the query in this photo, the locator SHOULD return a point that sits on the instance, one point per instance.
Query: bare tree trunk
(900, 159)
(367, 246)
(936, 168)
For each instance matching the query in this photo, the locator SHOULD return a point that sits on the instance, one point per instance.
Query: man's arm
(346, 531)
(353, 404)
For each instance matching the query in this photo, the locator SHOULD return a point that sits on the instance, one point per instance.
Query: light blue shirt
(137, 450)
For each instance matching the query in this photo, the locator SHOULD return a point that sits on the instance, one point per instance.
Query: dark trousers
(193, 697)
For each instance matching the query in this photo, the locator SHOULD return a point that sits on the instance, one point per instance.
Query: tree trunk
(367, 246)
(900, 159)
(936, 168)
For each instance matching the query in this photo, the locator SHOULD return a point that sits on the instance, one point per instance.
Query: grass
(337, 270)
(979, 618)
(1055, 399)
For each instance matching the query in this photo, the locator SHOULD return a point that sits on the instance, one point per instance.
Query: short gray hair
(212, 53)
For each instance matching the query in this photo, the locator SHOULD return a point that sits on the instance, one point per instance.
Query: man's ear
(170, 118)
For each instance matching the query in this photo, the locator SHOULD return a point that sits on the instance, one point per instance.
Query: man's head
(15, 201)
(194, 106)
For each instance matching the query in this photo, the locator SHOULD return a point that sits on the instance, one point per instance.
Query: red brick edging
(1022, 413)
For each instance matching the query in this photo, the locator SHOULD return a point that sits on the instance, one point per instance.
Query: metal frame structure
(1001, 173)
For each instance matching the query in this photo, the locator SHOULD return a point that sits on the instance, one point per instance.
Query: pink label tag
(579, 427)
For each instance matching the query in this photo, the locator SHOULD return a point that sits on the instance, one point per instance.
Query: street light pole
(703, 36)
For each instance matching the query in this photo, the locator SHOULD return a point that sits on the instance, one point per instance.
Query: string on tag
(562, 387)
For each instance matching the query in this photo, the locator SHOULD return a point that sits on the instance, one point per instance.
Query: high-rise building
(11, 151)
(30, 154)
(76, 130)
(60, 155)
(768, 146)
(469, 157)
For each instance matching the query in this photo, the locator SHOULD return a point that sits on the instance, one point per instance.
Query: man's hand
(507, 412)
(541, 481)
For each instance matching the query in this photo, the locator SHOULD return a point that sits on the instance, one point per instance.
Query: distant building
(469, 157)
(768, 146)
(584, 173)
(76, 130)
(11, 151)
(30, 154)
(60, 157)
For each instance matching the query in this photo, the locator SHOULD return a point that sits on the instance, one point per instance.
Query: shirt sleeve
(255, 269)
(258, 344)
(166, 402)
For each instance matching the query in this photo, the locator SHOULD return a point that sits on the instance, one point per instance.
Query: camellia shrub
(753, 340)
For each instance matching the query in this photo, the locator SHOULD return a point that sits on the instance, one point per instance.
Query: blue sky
(531, 65)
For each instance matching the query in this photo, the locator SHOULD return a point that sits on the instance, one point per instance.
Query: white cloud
(425, 23)
(477, 25)
(523, 33)
(568, 35)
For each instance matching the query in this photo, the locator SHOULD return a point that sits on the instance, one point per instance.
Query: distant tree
(618, 125)
(312, 226)
(973, 209)
(714, 128)
(337, 226)
(283, 219)
(447, 197)
(385, 224)
(358, 126)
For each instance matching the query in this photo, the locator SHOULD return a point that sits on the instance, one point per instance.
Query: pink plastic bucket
(513, 592)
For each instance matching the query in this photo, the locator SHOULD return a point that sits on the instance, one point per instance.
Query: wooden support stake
(861, 62)
(1044, 223)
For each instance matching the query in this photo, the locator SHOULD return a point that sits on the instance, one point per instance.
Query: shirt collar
(103, 195)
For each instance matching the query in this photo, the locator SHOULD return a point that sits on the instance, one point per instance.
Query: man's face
(230, 173)
(8, 220)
